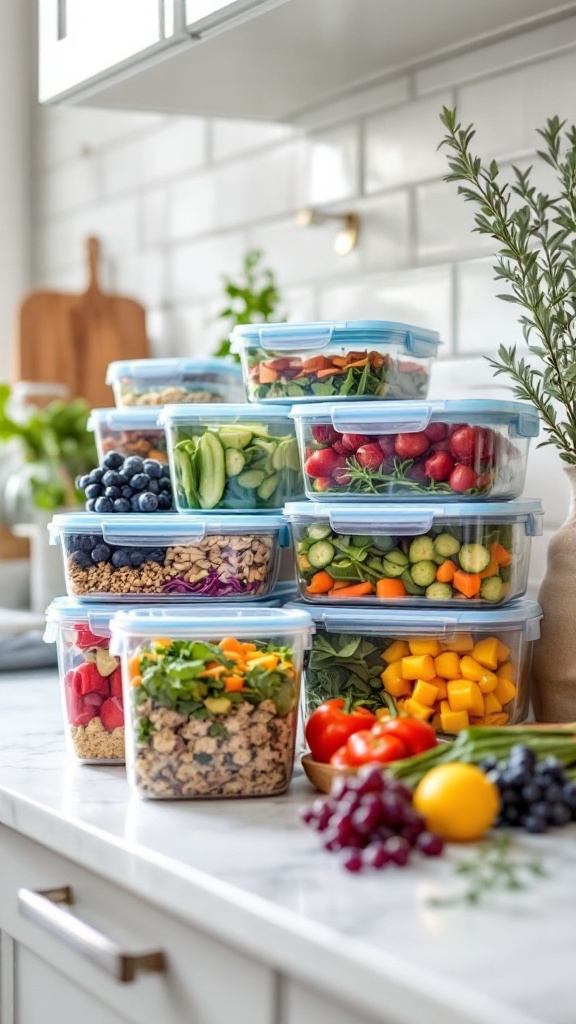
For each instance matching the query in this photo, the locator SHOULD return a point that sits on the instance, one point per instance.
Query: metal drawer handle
(42, 908)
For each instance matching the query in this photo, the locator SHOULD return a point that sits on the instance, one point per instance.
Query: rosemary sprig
(492, 868)
(536, 257)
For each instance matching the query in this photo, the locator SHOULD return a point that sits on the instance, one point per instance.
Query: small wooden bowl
(322, 775)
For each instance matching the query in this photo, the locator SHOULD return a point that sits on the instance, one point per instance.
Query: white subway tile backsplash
(484, 321)
(177, 147)
(195, 270)
(401, 144)
(257, 188)
(74, 186)
(330, 164)
(61, 243)
(233, 138)
(445, 225)
(69, 133)
(356, 104)
(153, 216)
(191, 208)
(140, 275)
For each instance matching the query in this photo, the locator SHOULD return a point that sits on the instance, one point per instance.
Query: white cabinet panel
(301, 1005)
(44, 995)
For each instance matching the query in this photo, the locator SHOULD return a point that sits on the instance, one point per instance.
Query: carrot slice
(267, 375)
(390, 588)
(320, 583)
(339, 360)
(232, 684)
(329, 373)
(212, 673)
(230, 643)
(357, 590)
(339, 585)
(359, 362)
(468, 583)
(445, 573)
(500, 554)
(315, 363)
(490, 570)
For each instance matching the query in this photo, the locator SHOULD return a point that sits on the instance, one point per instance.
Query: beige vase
(554, 665)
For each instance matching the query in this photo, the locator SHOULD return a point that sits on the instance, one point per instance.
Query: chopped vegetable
(331, 725)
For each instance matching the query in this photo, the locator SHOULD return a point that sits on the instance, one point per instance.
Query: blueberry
(133, 466)
(515, 776)
(134, 507)
(559, 814)
(153, 487)
(112, 493)
(165, 485)
(120, 559)
(147, 502)
(532, 792)
(121, 505)
(553, 792)
(81, 559)
(113, 460)
(96, 475)
(569, 794)
(164, 502)
(520, 755)
(533, 823)
(140, 482)
(101, 553)
(156, 555)
(89, 506)
(540, 809)
(136, 558)
(93, 491)
(126, 492)
(103, 505)
(166, 470)
(82, 481)
(153, 468)
(112, 479)
(510, 797)
(511, 814)
(85, 542)
(551, 768)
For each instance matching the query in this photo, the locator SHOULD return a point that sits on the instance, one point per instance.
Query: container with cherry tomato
(443, 450)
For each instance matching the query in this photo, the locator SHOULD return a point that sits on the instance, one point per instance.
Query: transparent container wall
(445, 461)
(226, 567)
(451, 680)
(242, 466)
(147, 443)
(207, 738)
(339, 370)
(468, 561)
(186, 388)
(91, 683)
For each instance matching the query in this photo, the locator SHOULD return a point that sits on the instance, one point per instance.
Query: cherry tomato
(370, 456)
(439, 466)
(462, 478)
(368, 746)
(352, 442)
(325, 434)
(410, 446)
(321, 463)
(330, 725)
(416, 735)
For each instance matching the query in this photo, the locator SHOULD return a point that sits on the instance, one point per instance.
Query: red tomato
(410, 446)
(368, 747)
(462, 478)
(370, 456)
(439, 466)
(321, 463)
(339, 448)
(325, 434)
(330, 725)
(416, 735)
(436, 431)
(352, 442)
(341, 472)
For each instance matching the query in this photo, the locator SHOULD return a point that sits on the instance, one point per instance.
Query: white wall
(177, 201)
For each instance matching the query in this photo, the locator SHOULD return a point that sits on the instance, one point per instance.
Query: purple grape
(536, 825)
(430, 844)
(366, 818)
(342, 824)
(352, 861)
(399, 789)
(398, 850)
(331, 841)
(371, 780)
(307, 815)
(339, 787)
(375, 856)
(559, 814)
(392, 808)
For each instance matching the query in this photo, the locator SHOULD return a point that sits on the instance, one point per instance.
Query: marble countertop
(248, 872)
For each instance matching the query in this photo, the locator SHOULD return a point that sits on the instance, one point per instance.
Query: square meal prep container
(90, 680)
(477, 553)
(454, 668)
(232, 457)
(161, 381)
(211, 698)
(441, 450)
(137, 557)
(335, 360)
(130, 431)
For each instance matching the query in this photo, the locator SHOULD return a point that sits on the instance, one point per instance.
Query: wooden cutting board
(72, 338)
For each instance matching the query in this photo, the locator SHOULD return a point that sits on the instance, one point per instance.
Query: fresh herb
(492, 868)
(251, 300)
(144, 730)
(345, 665)
(536, 257)
(217, 729)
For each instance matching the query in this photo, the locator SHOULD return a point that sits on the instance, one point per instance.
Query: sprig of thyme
(492, 868)
(536, 256)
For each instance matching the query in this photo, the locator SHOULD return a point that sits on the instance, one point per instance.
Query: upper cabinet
(267, 59)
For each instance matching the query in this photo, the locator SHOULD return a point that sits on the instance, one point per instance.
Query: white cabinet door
(303, 1005)
(79, 39)
(43, 995)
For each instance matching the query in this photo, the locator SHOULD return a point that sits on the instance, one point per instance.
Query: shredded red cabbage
(210, 586)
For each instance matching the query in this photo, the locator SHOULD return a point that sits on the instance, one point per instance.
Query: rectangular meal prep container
(211, 698)
(454, 667)
(130, 430)
(232, 457)
(136, 557)
(335, 360)
(443, 450)
(161, 381)
(90, 680)
(477, 553)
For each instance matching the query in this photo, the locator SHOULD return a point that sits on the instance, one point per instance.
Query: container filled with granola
(211, 698)
(174, 381)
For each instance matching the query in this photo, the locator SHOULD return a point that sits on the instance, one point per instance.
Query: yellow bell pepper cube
(418, 666)
(491, 704)
(447, 665)
(424, 645)
(488, 682)
(425, 692)
(454, 721)
(396, 651)
(505, 691)
(477, 706)
(417, 710)
(382, 714)
(502, 652)
(507, 671)
(486, 652)
(436, 722)
(444, 707)
(460, 644)
(471, 669)
(460, 694)
(499, 718)
(394, 682)
(440, 685)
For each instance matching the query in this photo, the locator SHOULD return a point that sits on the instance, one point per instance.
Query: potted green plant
(253, 299)
(535, 258)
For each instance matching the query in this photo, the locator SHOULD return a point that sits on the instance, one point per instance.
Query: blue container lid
(199, 621)
(125, 417)
(284, 592)
(181, 415)
(290, 337)
(164, 528)
(415, 519)
(409, 417)
(159, 370)
(67, 612)
(523, 614)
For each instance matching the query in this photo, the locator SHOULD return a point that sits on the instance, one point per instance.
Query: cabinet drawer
(203, 977)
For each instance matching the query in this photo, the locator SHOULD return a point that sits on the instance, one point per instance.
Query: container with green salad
(232, 457)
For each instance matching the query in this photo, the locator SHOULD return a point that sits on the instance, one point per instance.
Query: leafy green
(345, 665)
(144, 730)
(491, 868)
(253, 299)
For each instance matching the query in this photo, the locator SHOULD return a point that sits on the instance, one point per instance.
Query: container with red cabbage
(181, 558)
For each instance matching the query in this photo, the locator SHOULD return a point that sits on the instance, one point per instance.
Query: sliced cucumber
(318, 531)
(474, 557)
(423, 573)
(211, 471)
(421, 550)
(234, 461)
(375, 563)
(446, 545)
(343, 569)
(292, 455)
(234, 436)
(392, 569)
(492, 589)
(384, 543)
(251, 478)
(361, 542)
(268, 486)
(321, 554)
(185, 465)
(410, 587)
(397, 558)
(439, 592)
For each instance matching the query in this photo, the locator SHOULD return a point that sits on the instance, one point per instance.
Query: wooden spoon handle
(93, 252)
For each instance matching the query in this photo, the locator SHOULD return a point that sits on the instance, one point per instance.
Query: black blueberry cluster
(533, 794)
(86, 550)
(127, 484)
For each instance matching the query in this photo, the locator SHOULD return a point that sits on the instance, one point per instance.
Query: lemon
(458, 802)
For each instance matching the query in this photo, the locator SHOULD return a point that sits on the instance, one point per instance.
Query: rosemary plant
(536, 258)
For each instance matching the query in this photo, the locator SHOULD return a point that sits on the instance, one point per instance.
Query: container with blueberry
(130, 484)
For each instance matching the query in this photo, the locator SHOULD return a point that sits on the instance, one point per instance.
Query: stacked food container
(412, 549)
(210, 692)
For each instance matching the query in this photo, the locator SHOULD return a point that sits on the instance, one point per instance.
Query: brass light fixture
(346, 238)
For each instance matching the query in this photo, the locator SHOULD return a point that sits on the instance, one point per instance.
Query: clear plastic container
(454, 668)
(130, 431)
(226, 725)
(232, 457)
(163, 381)
(476, 554)
(90, 678)
(179, 558)
(453, 450)
(335, 360)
